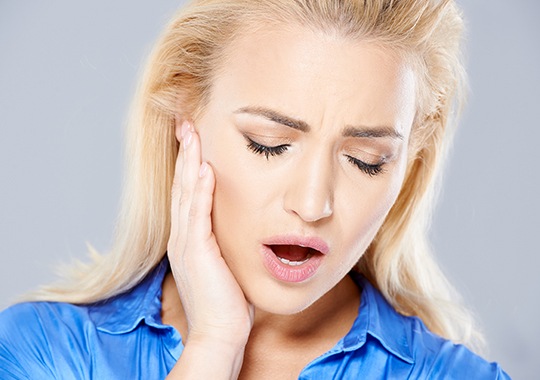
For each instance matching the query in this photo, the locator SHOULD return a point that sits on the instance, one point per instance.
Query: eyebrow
(276, 117)
(350, 131)
(372, 132)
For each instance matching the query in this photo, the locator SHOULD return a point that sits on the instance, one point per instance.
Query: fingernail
(186, 140)
(203, 169)
(185, 128)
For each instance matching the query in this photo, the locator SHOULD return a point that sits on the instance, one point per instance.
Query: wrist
(209, 359)
(225, 344)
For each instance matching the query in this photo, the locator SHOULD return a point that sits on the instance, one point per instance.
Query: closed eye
(369, 169)
(267, 151)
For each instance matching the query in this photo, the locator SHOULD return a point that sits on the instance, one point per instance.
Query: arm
(208, 361)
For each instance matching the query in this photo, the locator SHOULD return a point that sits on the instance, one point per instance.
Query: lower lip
(287, 273)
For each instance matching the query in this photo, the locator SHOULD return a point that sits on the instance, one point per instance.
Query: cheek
(242, 194)
(239, 198)
(367, 208)
(231, 197)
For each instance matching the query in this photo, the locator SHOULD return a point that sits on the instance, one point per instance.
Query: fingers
(201, 207)
(192, 190)
(182, 128)
(191, 155)
(176, 190)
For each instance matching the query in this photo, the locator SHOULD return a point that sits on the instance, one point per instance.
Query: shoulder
(42, 317)
(439, 358)
(408, 340)
(37, 338)
(97, 340)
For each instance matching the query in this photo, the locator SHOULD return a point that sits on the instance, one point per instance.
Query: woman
(283, 159)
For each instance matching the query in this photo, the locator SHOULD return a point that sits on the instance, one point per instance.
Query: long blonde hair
(178, 80)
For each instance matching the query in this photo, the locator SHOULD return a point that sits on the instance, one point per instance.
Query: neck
(331, 316)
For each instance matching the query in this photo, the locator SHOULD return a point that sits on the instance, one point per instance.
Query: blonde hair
(178, 80)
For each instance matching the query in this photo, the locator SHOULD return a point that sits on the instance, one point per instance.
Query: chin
(280, 308)
(281, 298)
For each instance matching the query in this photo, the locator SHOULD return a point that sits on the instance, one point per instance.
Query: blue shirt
(124, 338)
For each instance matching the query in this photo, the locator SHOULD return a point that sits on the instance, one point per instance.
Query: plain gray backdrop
(67, 74)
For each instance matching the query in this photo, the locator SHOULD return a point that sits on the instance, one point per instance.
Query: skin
(230, 310)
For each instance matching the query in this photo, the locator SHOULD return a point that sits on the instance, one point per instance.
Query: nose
(310, 189)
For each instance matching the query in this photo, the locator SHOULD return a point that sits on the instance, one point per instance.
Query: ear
(178, 127)
(181, 126)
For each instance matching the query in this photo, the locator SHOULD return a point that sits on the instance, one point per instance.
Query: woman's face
(307, 134)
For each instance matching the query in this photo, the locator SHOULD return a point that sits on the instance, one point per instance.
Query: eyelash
(369, 169)
(267, 151)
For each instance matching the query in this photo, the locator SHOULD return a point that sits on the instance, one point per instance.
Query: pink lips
(288, 273)
(308, 242)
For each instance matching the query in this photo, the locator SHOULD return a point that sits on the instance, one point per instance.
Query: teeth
(293, 263)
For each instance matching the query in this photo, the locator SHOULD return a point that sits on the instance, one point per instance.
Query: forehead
(316, 75)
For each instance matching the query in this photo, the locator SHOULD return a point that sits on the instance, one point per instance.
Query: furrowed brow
(350, 131)
(276, 117)
(372, 132)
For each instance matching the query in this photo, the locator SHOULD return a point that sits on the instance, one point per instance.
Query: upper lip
(313, 242)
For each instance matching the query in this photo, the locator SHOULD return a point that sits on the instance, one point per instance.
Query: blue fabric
(123, 338)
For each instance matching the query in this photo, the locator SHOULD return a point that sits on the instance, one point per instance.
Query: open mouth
(293, 255)
(293, 258)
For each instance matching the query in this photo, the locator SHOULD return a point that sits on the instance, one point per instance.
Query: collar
(123, 313)
(376, 317)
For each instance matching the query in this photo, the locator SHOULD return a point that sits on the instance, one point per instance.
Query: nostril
(310, 193)
(312, 213)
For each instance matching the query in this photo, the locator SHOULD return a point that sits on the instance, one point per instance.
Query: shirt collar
(377, 318)
(124, 312)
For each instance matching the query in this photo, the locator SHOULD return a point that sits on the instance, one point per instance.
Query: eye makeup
(371, 155)
(369, 169)
(267, 151)
(368, 153)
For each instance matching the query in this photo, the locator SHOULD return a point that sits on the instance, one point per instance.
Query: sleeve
(23, 352)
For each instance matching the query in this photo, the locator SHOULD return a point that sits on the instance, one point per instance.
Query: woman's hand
(219, 317)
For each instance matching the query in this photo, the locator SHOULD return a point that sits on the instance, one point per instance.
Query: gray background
(67, 73)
